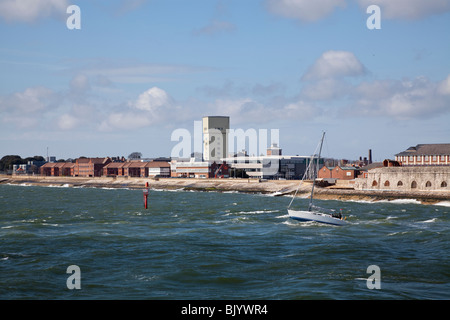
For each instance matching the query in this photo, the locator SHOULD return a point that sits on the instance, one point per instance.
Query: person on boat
(337, 214)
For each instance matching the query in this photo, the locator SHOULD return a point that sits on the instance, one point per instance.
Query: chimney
(370, 156)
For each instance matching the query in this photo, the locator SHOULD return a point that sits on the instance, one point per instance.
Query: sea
(61, 242)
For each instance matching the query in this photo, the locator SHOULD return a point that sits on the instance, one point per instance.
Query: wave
(66, 185)
(443, 204)
(395, 201)
(253, 212)
(429, 221)
(19, 184)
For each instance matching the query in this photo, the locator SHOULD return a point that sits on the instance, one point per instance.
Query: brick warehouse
(137, 169)
(96, 167)
(338, 172)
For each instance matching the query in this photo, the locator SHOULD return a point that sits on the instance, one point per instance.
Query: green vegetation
(7, 162)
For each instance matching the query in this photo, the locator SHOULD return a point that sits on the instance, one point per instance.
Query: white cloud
(444, 86)
(408, 9)
(80, 83)
(25, 109)
(127, 120)
(29, 101)
(152, 107)
(304, 10)
(325, 89)
(67, 122)
(414, 99)
(310, 11)
(32, 10)
(247, 111)
(335, 64)
(153, 100)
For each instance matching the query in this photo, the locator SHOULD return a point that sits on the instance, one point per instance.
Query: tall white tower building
(215, 140)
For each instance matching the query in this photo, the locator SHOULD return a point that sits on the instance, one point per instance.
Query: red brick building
(58, 169)
(137, 169)
(90, 167)
(338, 172)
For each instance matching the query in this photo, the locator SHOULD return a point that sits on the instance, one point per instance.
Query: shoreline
(271, 187)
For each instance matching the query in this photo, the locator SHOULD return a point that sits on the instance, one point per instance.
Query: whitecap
(443, 204)
(391, 217)
(429, 221)
(405, 201)
(256, 212)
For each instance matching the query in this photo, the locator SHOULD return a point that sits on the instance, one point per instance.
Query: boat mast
(315, 172)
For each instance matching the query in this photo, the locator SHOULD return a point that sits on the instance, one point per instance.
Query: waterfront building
(215, 137)
(270, 166)
(137, 168)
(199, 169)
(114, 169)
(158, 169)
(339, 172)
(90, 167)
(274, 150)
(425, 155)
(58, 169)
(407, 178)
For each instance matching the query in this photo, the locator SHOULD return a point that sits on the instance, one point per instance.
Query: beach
(271, 187)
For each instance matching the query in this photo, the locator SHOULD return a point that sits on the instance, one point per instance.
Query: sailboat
(315, 213)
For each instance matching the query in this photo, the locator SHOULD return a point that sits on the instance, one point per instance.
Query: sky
(138, 70)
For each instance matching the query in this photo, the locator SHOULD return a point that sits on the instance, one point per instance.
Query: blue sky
(139, 69)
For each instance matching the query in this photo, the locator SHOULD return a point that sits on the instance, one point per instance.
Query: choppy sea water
(208, 245)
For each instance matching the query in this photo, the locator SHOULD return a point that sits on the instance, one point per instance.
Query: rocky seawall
(272, 187)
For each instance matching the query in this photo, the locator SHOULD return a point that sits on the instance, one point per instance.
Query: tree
(135, 155)
(7, 162)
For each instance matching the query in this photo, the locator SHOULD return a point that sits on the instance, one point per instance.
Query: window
(386, 183)
(374, 183)
(443, 158)
(428, 184)
(413, 185)
(399, 184)
(444, 184)
(434, 158)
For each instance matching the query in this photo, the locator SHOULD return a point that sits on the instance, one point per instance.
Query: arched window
(413, 185)
(386, 183)
(444, 184)
(399, 184)
(428, 184)
(374, 183)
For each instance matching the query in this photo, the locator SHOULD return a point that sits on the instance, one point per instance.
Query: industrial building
(215, 137)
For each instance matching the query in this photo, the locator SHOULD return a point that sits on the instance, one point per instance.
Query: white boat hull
(315, 216)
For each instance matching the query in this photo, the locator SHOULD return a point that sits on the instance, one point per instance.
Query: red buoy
(145, 195)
